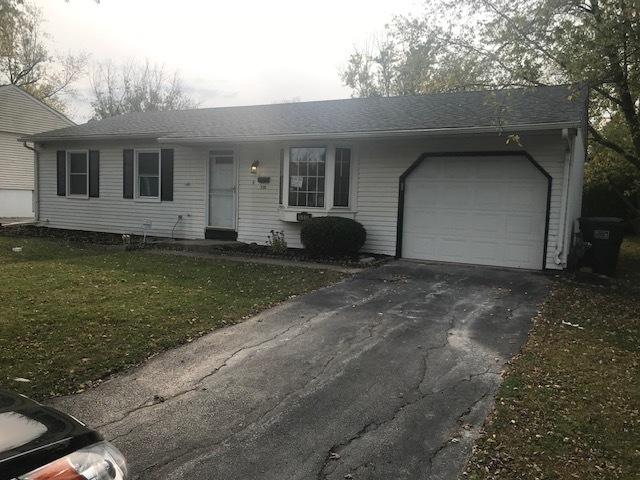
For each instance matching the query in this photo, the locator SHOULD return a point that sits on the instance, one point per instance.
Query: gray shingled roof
(517, 107)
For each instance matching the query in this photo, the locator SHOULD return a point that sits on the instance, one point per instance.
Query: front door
(222, 190)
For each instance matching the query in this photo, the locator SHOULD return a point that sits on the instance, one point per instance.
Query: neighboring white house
(20, 115)
(492, 178)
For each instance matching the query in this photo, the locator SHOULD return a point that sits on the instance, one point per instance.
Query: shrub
(276, 242)
(334, 236)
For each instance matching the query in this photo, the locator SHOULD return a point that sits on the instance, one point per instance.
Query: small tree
(25, 60)
(126, 88)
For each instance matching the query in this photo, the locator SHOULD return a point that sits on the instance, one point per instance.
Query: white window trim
(136, 180)
(68, 174)
(329, 180)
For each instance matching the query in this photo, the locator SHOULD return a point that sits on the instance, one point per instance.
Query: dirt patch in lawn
(73, 314)
(570, 403)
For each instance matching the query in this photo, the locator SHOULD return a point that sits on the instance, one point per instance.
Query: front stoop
(220, 234)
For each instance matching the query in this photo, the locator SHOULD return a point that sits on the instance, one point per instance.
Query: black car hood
(32, 435)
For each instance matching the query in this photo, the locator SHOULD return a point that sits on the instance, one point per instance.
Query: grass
(72, 314)
(569, 406)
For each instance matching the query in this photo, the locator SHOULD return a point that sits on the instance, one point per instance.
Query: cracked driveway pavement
(389, 374)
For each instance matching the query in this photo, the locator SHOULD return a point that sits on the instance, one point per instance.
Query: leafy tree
(126, 88)
(25, 60)
(612, 183)
(460, 44)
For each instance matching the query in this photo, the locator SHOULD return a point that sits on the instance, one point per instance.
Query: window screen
(149, 174)
(78, 173)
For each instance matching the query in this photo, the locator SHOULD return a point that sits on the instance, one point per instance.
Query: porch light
(254, 167)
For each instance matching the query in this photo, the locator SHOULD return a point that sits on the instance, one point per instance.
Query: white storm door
(222, 191)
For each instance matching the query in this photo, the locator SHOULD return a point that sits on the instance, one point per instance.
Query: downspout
(562, 227)
(36, 191)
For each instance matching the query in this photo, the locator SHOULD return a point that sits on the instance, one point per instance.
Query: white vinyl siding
(20, 114)
(110, 212)
(16, 164)
(374, 188)
(23, 114)
(380, 164)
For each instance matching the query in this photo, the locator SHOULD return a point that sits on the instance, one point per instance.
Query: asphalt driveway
(388, 375)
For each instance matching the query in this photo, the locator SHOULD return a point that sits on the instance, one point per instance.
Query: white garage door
(478, 209)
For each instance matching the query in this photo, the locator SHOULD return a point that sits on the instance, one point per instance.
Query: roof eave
(43, 138)
(168, 138)
(370, 134)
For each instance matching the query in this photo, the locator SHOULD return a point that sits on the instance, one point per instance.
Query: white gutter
(568, 161)
(36, 191)
(167, 137)
(368, 134)
(108, 137)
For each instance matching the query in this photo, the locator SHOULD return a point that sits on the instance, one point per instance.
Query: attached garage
(477, 208)
(430, 177)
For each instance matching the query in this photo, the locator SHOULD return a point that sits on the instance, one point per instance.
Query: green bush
(333, 236)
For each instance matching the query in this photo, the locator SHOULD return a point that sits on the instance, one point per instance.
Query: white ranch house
(490, 178)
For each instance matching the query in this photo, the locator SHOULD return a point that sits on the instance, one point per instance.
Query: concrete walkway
(387, 375)
(6, 221)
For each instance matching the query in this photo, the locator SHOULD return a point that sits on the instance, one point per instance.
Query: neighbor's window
(306, 177)
(78, 173)
(148, 173)
(343, 178)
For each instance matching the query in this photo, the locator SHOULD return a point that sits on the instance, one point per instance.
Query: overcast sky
(232, 52)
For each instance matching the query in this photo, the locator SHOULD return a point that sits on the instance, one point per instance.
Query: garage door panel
(482, 168)
(488, 197)
(456, 169)
(525, 197)
(419, 221)
(418, 245)
(456, 195)
(451, 223)
(452, 248)
(484, 251)
(483, 210)
(524, 227)
(521, 254)
(429, 194)
(487, 224)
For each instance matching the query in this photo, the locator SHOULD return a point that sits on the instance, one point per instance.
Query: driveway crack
(198, 382)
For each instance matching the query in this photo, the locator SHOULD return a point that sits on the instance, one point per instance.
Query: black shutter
(94, 173)
(127, 170)
(166, 172)
(62, 172)
(342, 177)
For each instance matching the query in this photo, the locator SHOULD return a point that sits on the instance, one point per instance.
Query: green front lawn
(569, 407)
(72, 314)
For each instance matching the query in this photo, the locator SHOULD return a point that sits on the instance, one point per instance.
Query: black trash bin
(605, 236)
